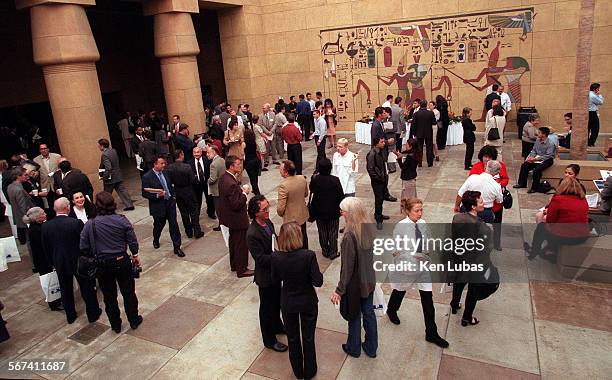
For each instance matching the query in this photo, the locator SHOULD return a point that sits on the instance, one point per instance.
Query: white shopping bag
(225, 233)
(3, 263)
(50, 286)
(380, 306)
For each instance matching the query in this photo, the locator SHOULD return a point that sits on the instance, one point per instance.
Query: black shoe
(117, 328)
(128, 208)
(455, 308)
(218, 228)
(390, 198)
(95, 317)
(517, 186)
(71, 319)
(437, 340)
(134, 325)
(212, 216)
(333, 257)
(179, 252)
(156, 244)
(386, 217)
(198, 234)
(379, 226)
(468, 168)
(278, 347)
(265, 170)
(364, 350)
(189, 234)
(473, 322)
(57, 308)
(393, 317)
(348, 353)
(276, 162)
(429, 165)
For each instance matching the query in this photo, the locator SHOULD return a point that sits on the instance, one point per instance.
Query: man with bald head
(266, 120)
(200, 166)
(60, 240)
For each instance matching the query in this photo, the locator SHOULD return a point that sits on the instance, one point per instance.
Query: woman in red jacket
(485, 154)
(567, 220)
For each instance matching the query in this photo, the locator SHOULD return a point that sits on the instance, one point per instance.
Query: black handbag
(350, 302)
(87, 266)
(483, 291)
(507, 202)
(493, 133)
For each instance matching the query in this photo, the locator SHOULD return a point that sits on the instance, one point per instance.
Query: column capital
(23, 4)
(155, 7)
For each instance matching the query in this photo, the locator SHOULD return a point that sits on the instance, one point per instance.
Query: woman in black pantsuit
(299, 271)
(252, 164)
(259, 240)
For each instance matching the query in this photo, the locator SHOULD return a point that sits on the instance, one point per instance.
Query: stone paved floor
(200, 321)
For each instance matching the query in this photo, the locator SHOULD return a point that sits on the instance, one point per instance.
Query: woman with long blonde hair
(357, 261)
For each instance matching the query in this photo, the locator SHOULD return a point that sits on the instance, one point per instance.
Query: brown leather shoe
(246, 273)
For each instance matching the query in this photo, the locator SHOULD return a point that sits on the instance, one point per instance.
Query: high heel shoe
(454, 309)
(473, 322)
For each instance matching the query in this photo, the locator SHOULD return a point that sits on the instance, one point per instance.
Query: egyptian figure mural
(458, 56)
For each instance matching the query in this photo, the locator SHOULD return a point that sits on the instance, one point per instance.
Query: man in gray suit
(397, 118)
(20, 202)
(217, 170)
(111, 174)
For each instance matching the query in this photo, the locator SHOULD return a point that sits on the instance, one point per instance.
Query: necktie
(162, 179)
(419, 237)
(200, 171)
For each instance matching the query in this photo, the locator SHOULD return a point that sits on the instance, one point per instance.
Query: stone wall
(279, 48)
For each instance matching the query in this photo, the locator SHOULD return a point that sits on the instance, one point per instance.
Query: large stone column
(65, 48)
(578, 150)
(176, 46)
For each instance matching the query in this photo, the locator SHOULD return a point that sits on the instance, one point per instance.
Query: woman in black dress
(252, 164)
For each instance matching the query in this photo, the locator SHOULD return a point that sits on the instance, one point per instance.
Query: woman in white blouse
(415, 229)
(345, 166)
(495, 119)
(82, 208)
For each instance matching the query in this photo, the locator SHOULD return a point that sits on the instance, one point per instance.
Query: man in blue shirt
(540, 158)
(595, 100)
(320, 135)
(304, 116)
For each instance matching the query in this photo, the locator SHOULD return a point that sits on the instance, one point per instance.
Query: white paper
(605, 174)
(592, 200)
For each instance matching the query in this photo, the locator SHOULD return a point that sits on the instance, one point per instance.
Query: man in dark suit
(111, 173)
(183, 142)
(135, 146)
(232, 210)
(182, 178)
(60, 240)
(493, 95)
(148, 151)
(376, 133)
(259, 240)
(423, 121)
(157, 188)
(70, 180)
(200, 166)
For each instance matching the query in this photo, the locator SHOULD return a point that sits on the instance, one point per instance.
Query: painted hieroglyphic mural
(461, 55)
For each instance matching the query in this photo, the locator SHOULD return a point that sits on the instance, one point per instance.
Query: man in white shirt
(345, 167)
(320, 136)
(48, 165)
(310, 101)
(387, 103)
(506, 103)
(488, 187)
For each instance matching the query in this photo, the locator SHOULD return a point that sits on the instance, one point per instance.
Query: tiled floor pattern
(201, 322)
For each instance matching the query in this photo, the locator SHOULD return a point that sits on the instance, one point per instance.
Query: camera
(136, 270)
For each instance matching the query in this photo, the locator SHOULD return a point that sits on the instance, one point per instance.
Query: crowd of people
(58, 217)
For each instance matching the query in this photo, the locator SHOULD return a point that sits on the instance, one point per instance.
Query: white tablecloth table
(362, 133)
(454, 134)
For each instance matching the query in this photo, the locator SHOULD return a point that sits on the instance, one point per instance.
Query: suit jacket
(46, 182)
(299, 272)
(60, 238)
(232, 205)
(186, 145)
(489, 100)
(376, 132)
(423, 121)
(260, 246)
(376, 164)
(75, 181)
(202, 182)
(217, 170)
(20, 202)
(397, 118)
(327, 194)
(135, 144)
(468, 131)
(182, 178)
(157, 206)
(148, 150)
(292, 192)
(110, 162)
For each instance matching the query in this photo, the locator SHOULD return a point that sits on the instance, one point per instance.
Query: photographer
(107, 237)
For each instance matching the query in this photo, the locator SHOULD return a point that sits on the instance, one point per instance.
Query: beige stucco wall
(274, 48)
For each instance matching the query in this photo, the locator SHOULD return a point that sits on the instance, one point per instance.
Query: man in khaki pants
(292, 194)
